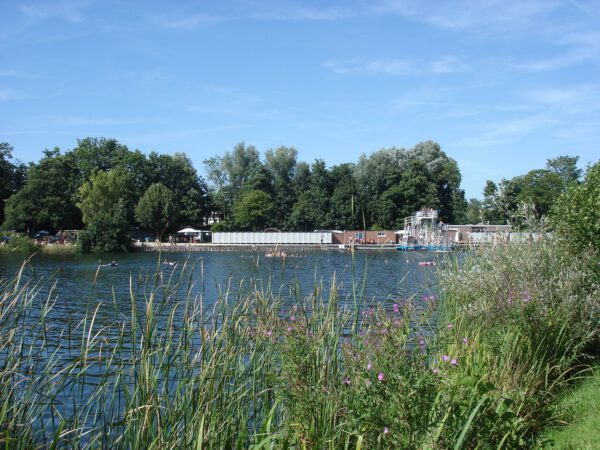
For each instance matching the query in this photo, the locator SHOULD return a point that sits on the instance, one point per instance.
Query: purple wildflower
(369, 365)
(465, 341)
(395, 307)
(385, 430)
(422, 342)
(269, 333)
(435, 371)
(445, 358)
(380, 376)
(289, 329)
(454, 362)
(346, 381)
(292, 319)
(450, 326)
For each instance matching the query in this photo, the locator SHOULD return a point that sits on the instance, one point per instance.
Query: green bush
(576, 214)
(529, 311)
(20, 244)
(220, 226)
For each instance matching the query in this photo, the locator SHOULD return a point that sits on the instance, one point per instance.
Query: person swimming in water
(113, 263)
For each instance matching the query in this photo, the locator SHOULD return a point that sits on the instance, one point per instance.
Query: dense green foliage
(249, 193)
(12, 176)
(576, 214)
(19, 244)
(104, 203)
(377, 192)
(46, 199)
(50, 196)
(539, 188)
(156, 208)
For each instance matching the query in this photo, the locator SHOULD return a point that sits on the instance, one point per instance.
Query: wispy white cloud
(385, 66)
(13, 73)
(296, 12)
(565, 100)
(63, 121)
(446, 64)
(466, 15)
(572, 49)
(168, 134)
(187, 22)
(230, 101)
(501, 132)
(69, 11)
(8, 94)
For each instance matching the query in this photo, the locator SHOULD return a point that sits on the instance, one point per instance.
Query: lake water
(76, 285)
(377, 276)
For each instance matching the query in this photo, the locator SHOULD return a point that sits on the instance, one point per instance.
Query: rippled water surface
(372, 275)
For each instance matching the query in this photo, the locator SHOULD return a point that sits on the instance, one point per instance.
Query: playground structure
(424, 231)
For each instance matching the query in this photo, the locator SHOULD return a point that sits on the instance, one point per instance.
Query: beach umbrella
(188, 230)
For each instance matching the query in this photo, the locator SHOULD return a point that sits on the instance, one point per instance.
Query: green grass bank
(579, 410)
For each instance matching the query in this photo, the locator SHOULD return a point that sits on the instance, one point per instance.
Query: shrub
(576, 214)
(20, 244)
(528, 311)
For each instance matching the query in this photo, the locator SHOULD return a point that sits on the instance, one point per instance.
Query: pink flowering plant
(391, 381)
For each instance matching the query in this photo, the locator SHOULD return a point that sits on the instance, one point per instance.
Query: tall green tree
(443, 171)
(380, 175)
(231, 173)
(541, 188)
(493, 211)
(566, 168)
(96, 154)
(105, 201)
(475, 212)
(311, 209)
(156, 208)
(252, 210)
(281, 165)
(576, 214)
(177, 173)
(375, 174)
(345, 211)
(414, 191)
(12, 176)
(46, 200)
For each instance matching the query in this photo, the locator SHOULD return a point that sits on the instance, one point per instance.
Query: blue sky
(501, 85)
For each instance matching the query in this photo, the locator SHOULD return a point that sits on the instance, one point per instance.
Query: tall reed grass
(476, 365)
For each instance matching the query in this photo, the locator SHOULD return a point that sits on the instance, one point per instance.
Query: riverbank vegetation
(478, 362)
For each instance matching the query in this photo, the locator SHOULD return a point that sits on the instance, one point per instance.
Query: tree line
(538, 190)
(377, 192)
(106, 189)
(98, 186)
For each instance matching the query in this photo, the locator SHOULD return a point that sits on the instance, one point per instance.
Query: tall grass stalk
(478, 365)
